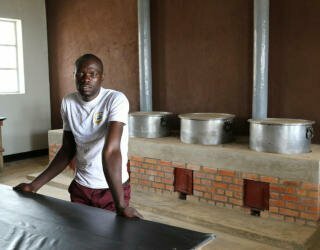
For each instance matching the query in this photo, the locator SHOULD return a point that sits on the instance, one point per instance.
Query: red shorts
(101, 198)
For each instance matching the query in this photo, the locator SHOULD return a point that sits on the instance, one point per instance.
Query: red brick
(169, 188)
(229, 193)
(226, 172)
(313, 194)
(167, 181)
(274, 195)
(237, 195)
(251, 176)
(168, 175)
(145, 182)
(209, 170)
(312, 209)
(277, 189)
(207, 196)
(218, 178)
(310, 186)
(290, 190)
(156, 167)
(197, 193)
(198, 174)
(238, 181)
(219, 198)
(301, 207)
(157, 179)
(165, 163)
(210, 176)
(206, 182)
(227, 179)
(167, 169)
(269, 179)
(201, 188)
(289, 198)
(309, 216)
(196, 180)
(151, 160)
(134, 163)
(236, 188)
(290, 183)
(193, 167)
(158, 185)
(301, 192)
(236, 201)
(152, 172)
(219, 191)
(308, 201)
(273, 209)
(291, 205)
(288, 212)
(147, 165)
(276, 203)
(220, 185)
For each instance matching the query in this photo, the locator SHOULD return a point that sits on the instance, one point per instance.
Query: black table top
(34, 221)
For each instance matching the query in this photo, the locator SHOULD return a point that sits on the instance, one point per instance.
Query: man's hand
(129, 212)
(25, 187)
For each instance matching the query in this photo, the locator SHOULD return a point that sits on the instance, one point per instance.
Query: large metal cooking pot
(149, 124)
(206, 128)
(285, 136)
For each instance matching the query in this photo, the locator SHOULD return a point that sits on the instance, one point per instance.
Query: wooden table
(34, 221)
(1, 148)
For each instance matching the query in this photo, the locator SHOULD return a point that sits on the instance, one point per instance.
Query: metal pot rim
(206, 116)
(151, 113)
(281, 121)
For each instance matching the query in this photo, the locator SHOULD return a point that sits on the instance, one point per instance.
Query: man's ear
(102, 77)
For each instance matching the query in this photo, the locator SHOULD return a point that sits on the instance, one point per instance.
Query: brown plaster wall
(105, 28)
(202, 56)
(294, 74)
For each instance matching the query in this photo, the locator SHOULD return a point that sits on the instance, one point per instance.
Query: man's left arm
(112, 167)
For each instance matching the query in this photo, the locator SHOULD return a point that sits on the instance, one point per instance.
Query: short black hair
(87, 57)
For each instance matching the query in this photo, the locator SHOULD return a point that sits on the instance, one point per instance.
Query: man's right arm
(56, 166)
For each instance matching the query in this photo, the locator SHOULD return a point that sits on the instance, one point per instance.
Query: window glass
(8, 34)
(9, 81)
(11, 57)
(8, 57)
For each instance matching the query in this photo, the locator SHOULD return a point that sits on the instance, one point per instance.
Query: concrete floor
(233, 230)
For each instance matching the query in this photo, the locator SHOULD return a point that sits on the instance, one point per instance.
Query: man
(95, 131)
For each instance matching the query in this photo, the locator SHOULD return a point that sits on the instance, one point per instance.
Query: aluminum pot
(149, 124)
(284, 136)
(206, 128)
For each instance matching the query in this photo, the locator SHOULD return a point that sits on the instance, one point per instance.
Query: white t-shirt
(88, 123)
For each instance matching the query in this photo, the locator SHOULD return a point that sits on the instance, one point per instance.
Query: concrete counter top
(232, 156)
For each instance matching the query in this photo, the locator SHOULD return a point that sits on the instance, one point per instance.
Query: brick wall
(292, 201)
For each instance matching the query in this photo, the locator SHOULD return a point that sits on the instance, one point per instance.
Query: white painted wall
(28, 115)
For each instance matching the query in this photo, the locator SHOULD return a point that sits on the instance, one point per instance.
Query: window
(11, 57)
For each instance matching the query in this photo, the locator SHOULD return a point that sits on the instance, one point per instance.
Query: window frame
(19, 56)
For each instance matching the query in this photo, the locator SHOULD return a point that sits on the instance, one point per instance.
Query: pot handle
(163, 122)
(309, 133)
(227, 126)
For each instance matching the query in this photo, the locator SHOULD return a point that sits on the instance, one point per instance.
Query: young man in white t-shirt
(95, 131)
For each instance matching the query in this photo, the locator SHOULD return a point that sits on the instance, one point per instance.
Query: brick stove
(283, 187)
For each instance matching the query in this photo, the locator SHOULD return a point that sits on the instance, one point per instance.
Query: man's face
(88, 79)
